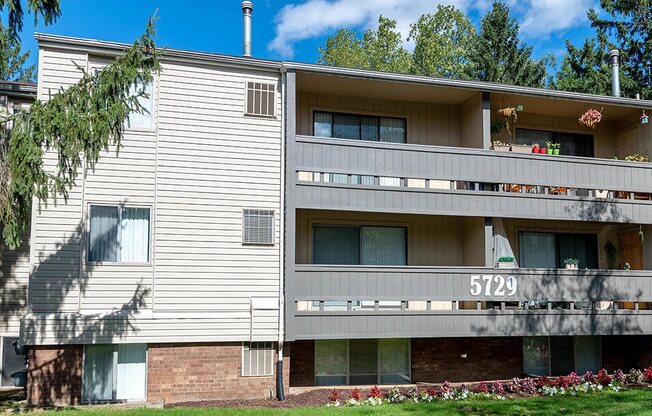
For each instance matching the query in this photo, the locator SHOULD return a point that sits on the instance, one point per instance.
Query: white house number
(492, 285)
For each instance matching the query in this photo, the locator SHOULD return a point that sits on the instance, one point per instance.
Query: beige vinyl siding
(14, 278)
(202, 164)
(431, 240)
(57, 228)
(433, 124)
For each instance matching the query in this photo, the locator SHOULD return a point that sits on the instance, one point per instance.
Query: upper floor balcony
(426, 148)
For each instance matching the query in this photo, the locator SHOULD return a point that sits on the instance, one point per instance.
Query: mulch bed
(314, 398)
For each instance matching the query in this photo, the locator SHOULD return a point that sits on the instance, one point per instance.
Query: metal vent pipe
(615, 72)
(247, 8)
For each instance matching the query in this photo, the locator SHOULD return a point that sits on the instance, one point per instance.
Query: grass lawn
(628, 402)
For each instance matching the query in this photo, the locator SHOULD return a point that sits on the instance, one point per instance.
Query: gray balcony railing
(509, 301)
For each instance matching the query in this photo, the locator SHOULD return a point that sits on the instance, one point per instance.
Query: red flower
(375, 392)
(647, 373)
(335, 395)
(603, 377)
(355, 394)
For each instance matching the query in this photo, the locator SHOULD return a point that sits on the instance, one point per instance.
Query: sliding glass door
(335, 244)
(549, 250)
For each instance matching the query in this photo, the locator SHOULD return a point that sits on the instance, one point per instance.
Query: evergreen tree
(499, 55)
(379, 50)
(443, 43)
(12, 61)
(629, 27)
(77, 124)
(48, 10)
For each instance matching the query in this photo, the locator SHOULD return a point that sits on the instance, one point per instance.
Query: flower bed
(571, 385)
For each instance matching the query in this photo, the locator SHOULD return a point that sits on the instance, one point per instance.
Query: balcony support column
(489, 260)
(486, 120)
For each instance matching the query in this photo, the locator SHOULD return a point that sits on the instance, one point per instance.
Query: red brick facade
(302, 372)
(54, 375)
(626, 351)
(185, 372)
(435, 360)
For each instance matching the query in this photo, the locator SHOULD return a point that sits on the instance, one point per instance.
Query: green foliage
(498, 55)
(76, 124)
(629, 26)
(505, 259)
(47, 9)
(12, 61)
(443, 42)
(379, 50)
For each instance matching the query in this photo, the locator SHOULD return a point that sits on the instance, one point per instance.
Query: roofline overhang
(18, 89)
(101, 47)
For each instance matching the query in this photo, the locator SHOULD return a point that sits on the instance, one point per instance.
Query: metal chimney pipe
(615, 72)
(247, 8)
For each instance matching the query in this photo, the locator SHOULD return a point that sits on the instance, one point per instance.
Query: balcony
(425, 179)
(465, 301)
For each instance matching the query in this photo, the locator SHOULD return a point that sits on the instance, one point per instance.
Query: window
(362, 361)
(258, 227)
(115, 372)
(145, 120)
(572, 144)
(549, 250)
(560, 355)
(358, 127)
(118, 234)
(257, 359)
(260, 99)
(359, 245)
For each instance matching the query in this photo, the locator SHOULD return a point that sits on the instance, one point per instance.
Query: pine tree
(500, 56)
(77, 124)
(12, 61)
(48, 10)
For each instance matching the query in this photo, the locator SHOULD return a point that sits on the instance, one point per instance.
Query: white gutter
(281, 264)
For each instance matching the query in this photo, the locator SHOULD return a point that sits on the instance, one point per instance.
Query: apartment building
(348, 221)
(14, 264)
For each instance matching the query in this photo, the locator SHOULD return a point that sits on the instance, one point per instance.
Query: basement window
(114, 372)
(260, 99)
(257, 359)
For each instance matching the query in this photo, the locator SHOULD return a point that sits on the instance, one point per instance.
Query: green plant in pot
(555, 148)
(506, 262)
(572, 263)
(549, 147)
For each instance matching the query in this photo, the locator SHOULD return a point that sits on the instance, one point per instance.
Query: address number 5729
(492, 285)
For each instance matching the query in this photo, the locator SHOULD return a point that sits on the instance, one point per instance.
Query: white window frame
(247, 243)
(150, 251)
(246, 99)
(242, 358)
(114, 363)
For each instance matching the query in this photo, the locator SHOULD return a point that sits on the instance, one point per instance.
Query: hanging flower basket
(591, 118)
(508, 112)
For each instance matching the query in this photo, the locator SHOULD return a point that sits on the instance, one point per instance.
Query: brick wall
(626, 351)
(54, 375)
(211, 371)
(302, 371)
(441, 359)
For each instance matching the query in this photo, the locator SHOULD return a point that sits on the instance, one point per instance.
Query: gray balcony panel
(467, 164)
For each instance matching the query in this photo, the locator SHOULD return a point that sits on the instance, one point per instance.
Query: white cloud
(545, 17)
(313, 18)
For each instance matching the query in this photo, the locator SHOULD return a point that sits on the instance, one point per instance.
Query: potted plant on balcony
(549, 147)
(591, 118)
(572, 263)
(535, 148)
(555, 148)
(506, 262)
(500, 146)
(522, 148)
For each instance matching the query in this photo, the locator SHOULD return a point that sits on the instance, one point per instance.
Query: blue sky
(291, 29)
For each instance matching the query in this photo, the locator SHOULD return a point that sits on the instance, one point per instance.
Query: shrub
(603, 377)
(375, 392)
(514, 385)
(635, 376)
(355, 394)
(574, 379)
(335, 395)
(497, 387)
(647, 374)
(589, 377)
(620, 376)
(482, 388)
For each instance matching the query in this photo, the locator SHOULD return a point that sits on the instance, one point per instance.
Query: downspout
(280, 393)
